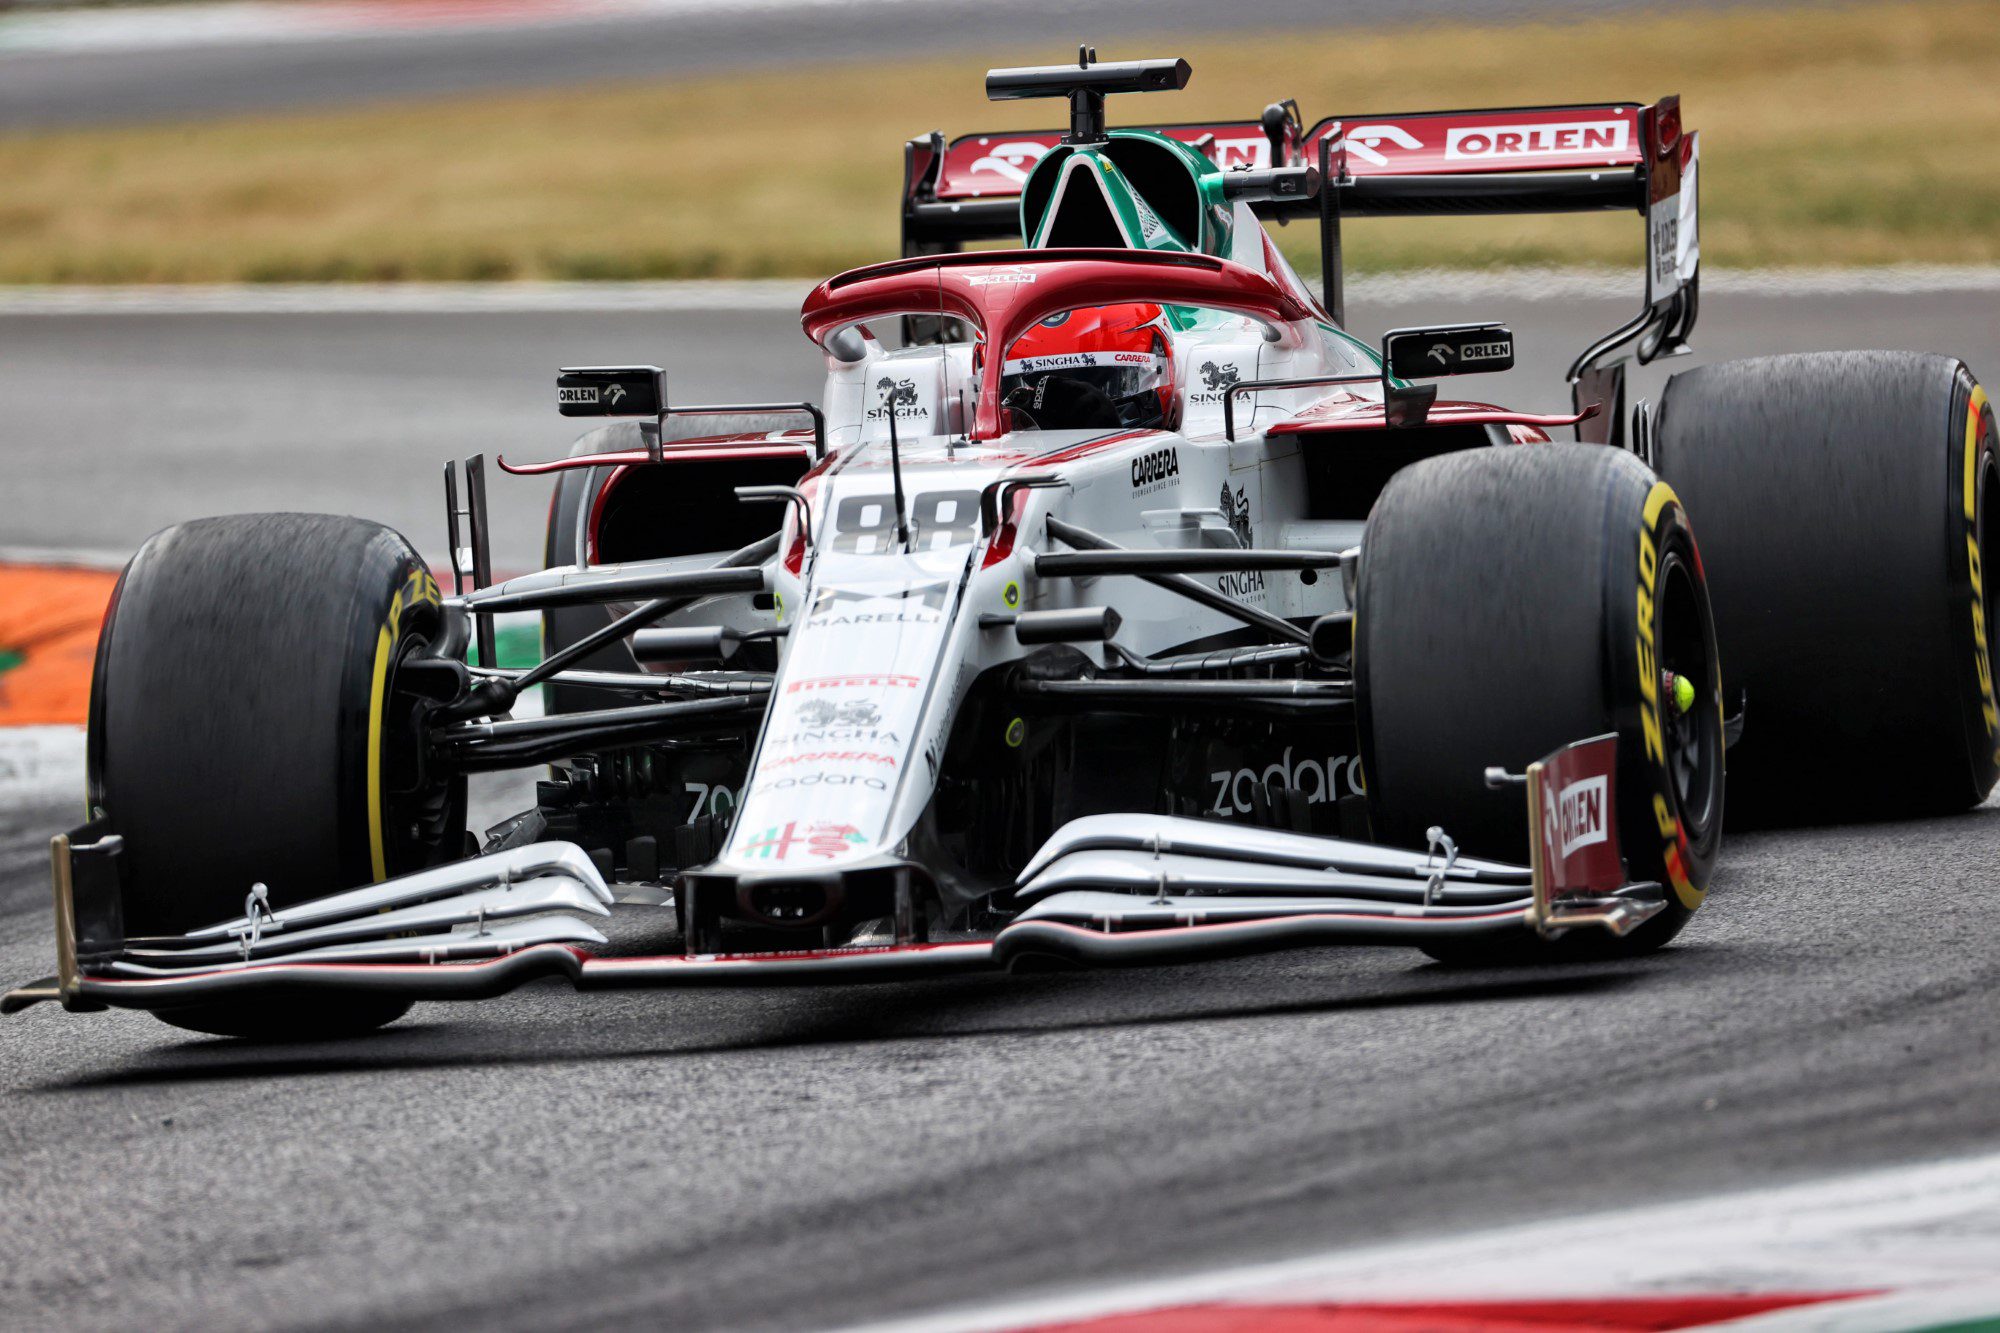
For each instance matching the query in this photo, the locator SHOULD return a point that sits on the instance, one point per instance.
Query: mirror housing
(1431, 353)
(611, 391)
(1448, 349)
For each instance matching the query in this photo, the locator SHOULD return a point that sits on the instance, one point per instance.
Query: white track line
(787, 293)
(1928, 1233)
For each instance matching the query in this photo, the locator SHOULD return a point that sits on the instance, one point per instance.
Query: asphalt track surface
(799, 1158)
(49, 89)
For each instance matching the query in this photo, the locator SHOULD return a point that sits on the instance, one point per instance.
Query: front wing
(1104, 891)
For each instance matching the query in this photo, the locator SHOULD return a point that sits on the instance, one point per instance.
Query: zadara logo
(1574, 816)
(781, 841)
(1577, 138)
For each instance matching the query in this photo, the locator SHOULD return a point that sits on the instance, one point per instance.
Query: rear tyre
(1518, 598)
(1848, 511)
(245, 727)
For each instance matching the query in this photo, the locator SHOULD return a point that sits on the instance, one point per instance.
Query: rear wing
(969, 189)
(1620, 157)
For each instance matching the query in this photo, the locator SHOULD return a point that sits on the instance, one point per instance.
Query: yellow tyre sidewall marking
(1651, 723)
(417, 589)
(1982, 663)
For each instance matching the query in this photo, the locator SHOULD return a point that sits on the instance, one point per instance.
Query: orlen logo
(1365, 142)
(1579, 138)
(1574, 816)
(1011, 161)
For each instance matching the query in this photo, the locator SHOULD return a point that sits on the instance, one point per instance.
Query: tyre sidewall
(1971, 495)
(1654, 836)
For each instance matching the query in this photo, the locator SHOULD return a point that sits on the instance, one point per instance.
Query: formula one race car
(1125, 610)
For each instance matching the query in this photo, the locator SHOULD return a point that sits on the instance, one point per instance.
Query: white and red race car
(1117, 606)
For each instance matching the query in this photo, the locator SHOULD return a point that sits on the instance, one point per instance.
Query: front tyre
(246, 727)
(1513, 600)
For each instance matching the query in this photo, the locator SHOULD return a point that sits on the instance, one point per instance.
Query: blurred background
(294, 254)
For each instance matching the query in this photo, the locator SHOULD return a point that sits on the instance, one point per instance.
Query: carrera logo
(1580, 138)
(833, 757)
(1155, 471)
(1574, 816)
(1132, 358)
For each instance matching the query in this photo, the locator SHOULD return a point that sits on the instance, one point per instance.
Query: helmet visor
(1116, 375)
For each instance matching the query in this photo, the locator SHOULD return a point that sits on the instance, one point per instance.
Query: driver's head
(1098, 368)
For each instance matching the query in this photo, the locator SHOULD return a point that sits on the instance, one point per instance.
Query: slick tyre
(1849, 507)
(246, 727)
(1515, 599)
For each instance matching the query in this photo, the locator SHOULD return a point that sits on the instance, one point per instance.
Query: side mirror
(1432, 353)
(611, 391)
(1448, 349)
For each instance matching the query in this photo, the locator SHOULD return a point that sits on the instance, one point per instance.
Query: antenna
(896, 466)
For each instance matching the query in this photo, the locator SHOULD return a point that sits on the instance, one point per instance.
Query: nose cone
(839, 772)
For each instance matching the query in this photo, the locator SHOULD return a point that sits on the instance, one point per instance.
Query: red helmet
(1104, 366)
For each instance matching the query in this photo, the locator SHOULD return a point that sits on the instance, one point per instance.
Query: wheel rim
(1692, 735)
(422, 811)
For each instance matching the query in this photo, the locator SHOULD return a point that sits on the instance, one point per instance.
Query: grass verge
(1855, 134)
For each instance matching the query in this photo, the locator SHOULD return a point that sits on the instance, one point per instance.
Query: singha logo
(851, 713)
(897, 395)
(1247, 586)
(1219, 377)
(1236, 509)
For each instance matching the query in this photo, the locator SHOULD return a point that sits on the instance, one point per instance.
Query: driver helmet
(1099, 367)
